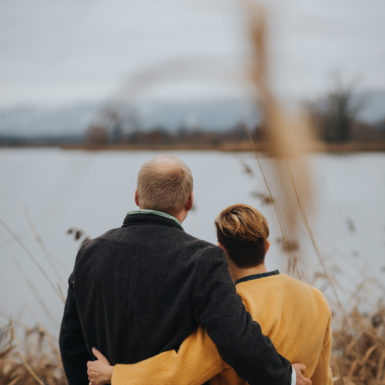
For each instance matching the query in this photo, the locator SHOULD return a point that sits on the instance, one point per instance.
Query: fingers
(92, 374)
(93, 380)
(99, 356)
(90, 367)
(300, 370)
(300, 366)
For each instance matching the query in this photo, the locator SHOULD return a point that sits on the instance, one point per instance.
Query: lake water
(56, 190)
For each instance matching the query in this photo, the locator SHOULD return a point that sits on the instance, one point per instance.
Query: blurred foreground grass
(358, 352)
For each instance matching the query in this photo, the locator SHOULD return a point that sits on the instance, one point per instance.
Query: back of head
(243, 231)
(165, 184)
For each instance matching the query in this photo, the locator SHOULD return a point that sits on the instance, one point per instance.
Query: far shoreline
(223, 147)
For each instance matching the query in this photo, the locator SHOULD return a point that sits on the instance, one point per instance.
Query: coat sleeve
(238, 338)
(196, 362)
(73, 349)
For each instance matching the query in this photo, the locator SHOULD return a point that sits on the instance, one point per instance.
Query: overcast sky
(61, 52)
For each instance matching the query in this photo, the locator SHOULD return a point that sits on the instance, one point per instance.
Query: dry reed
(359, 348)
(358, 356)
(30, 359)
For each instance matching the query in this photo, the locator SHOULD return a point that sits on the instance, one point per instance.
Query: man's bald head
(165, 184)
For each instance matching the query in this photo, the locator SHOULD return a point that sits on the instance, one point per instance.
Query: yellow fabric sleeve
(196, 362)
(323, 373)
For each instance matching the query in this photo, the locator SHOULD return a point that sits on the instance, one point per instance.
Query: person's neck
(181, 216)
(238, 272)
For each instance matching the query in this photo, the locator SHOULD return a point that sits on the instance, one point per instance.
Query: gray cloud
(57, 52)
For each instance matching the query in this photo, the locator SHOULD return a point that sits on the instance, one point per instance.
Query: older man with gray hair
(165, 184)
(142, 288)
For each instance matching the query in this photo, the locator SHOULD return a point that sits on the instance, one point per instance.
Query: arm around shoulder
(196, 362)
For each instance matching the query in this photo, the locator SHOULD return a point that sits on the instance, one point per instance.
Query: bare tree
(97, 135)
(336, 114)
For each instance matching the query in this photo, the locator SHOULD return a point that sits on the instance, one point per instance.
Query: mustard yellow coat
(292, 313)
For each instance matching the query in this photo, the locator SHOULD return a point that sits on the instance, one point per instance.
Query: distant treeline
(100, 135)
(356, 132)
(326, 130)
(335, 118)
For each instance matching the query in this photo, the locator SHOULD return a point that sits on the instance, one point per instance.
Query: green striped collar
(154, 212)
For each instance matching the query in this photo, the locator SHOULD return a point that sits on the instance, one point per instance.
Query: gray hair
(165, 184)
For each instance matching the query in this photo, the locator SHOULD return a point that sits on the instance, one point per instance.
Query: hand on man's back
(299, 371)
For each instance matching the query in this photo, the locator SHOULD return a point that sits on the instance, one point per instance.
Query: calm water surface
(47, 191)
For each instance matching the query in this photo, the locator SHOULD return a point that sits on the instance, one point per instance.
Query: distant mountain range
(74, 120)
(219, 114)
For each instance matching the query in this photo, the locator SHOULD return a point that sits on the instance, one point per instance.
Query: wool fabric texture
(142, 289)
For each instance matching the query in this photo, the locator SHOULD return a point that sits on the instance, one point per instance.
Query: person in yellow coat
(294, 315)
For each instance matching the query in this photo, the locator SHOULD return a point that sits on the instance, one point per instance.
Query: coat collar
(151, 216)
(257, 276)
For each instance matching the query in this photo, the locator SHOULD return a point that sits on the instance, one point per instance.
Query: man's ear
(223, 248)
(190, 202)
(136, 198)
(267, 246)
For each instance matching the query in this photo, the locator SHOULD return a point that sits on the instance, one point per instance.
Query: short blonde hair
(164, 184)
(243, 231)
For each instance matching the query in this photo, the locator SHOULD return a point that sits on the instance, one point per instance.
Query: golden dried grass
(30, 359)
(358, 356)
(359, 348)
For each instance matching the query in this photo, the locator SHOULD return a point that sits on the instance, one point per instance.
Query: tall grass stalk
(46, 252)
(34, 260)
